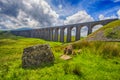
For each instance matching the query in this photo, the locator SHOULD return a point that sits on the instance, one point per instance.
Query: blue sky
(46, 13)
(92, 7)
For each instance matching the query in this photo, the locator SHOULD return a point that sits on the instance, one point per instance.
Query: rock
(65, 57)
(68, 50)
(37, 56)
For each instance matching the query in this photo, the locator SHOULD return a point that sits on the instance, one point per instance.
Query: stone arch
(73, 33)
(47, 34)
(51, 34)
(58, 34)
(84, 31)
(53, 37)
(96, 27)
(65, 34)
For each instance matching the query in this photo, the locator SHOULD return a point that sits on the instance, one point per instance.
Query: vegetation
(97, 61)
(113, 33)
(111, 30)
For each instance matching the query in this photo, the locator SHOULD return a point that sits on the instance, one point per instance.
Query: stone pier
(78, 29)
(51, 34)
(69, 34)
(62, 35)
(56, 34)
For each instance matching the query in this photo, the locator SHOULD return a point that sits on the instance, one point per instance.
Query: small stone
(65, 57)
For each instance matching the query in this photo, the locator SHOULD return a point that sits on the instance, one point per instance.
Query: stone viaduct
(52, 33)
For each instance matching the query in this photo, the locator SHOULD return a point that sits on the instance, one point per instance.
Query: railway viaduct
(53, 34)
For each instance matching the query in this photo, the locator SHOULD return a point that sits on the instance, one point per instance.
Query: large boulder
(37, 56)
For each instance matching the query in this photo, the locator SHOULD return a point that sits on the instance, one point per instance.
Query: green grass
(97, 61)
(65, 38)
(113, 33)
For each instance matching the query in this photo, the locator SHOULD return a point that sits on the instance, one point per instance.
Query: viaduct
(52, 33)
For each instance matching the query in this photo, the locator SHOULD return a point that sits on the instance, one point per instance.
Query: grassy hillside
(97, 61)
(109, 32)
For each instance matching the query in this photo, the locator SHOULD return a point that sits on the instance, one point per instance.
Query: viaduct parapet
(58, 33)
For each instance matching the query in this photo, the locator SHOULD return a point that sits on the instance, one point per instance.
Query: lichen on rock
(36, 56)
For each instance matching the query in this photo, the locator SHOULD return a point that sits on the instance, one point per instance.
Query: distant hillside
(25, 28)
(109, 32)
(8, 35)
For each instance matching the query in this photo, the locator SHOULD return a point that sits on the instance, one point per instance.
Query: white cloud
(84, 31)
(102, 17)
(96, 27)
(37, 13)
(8, 22)
(118, 13)
(116, 0)
(41, 11)
(27, 20)
(78, 17)
(30, 13)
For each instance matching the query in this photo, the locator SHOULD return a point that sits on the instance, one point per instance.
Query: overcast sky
(45, 13)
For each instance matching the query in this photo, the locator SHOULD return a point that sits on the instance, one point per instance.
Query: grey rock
(36, 56)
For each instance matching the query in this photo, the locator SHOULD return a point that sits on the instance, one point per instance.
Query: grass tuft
(70, 68)
(110, 50)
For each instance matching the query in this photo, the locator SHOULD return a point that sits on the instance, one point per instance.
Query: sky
(16, 14)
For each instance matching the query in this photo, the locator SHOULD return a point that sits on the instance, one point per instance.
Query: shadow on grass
(38, 67)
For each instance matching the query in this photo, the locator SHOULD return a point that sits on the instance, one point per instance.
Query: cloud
(79, 17)
(30, 13)
(10, 7)
(96, 27)
(116, 0)
(41, 11)
(118, 13)
(102, 17)
(8, 22)
(27, 20)
(38, 13)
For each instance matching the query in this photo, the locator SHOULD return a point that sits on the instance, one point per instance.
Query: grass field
(97, 61)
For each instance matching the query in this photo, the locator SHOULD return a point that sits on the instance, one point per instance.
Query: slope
(109, 32)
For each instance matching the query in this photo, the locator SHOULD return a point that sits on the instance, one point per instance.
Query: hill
(109, 32)
(97, 61)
